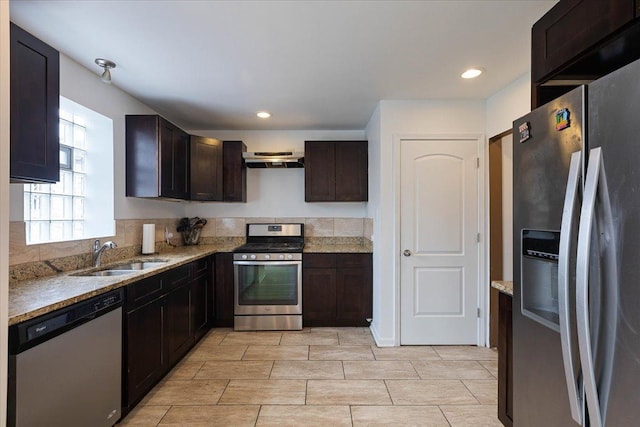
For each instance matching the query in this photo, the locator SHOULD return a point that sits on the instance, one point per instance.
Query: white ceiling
(312, 64)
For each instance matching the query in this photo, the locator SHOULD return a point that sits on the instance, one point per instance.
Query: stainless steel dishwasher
(65, 367)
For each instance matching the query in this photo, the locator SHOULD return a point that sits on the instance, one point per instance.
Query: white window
(80, 205)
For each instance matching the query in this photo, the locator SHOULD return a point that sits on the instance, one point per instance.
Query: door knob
(406, 252)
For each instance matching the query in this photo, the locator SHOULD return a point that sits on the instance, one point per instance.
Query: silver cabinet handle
(566, 233)
(406, 252)
(596, 184)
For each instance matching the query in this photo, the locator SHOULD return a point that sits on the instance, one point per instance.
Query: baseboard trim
(381, 342)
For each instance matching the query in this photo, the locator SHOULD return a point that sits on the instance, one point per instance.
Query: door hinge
(478, 312)
(478, 238)
(478, 162)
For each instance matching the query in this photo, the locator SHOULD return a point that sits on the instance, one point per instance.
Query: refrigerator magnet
(562, 119)
(525, 131)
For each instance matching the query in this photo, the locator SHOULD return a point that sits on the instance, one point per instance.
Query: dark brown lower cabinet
(319, 290)
(337, 289)
(145, 360)
(178, 332)
(165, 315)
(224, 290)
(505, 360)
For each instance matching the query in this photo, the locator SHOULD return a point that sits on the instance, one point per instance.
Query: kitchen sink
(127, 268)
(104, 273)
(140, 265)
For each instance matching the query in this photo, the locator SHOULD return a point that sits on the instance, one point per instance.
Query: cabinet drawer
(201, 266)
(319, 261)
(354, 260)
(177, 277)
(139, 293)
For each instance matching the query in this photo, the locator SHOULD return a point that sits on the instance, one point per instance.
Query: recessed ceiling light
(471, 73)
(263, 114)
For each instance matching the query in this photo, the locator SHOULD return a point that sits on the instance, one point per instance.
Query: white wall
(398, 118)
(503, 108)
(507, 208)
(4, 203)
(511, 102)
(277, 193)
(85, 87)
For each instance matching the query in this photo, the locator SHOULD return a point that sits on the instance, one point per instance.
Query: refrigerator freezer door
(549, 135)
(614, 125)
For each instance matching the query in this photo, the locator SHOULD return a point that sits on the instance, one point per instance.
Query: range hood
(268, 159)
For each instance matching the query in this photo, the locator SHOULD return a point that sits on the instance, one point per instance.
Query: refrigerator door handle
(595, 179)
(566, 233)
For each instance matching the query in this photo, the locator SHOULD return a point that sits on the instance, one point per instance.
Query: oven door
(267, 287)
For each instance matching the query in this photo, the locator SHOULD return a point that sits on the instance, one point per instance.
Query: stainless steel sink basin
(141, 265)
(128, 268)
(104, 273)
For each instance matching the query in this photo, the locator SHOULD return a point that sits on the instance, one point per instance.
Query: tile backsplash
(129, 236)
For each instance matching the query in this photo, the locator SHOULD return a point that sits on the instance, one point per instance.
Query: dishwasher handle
(30, 333)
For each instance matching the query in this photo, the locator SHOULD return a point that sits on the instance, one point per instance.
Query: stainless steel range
(268, 278)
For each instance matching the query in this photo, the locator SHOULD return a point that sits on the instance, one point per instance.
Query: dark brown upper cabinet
(578, 41)
(157, 158)
(206, 169)
(35, 102)
(234, 180)
(336, 171)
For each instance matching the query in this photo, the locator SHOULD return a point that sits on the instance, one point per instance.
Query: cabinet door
(199, 306)
(234, 180)
(319, 171)
(206, 169)
(570, 28)
(354, 299)
(174, 161)
(352, 168)
(145, 358)
(179, 336)
(35, 100)
(505, 360)
(319, 296)
(224, 290)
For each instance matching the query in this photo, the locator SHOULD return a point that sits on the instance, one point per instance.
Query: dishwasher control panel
(31, 332)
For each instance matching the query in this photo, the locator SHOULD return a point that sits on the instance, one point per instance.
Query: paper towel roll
(148, 238)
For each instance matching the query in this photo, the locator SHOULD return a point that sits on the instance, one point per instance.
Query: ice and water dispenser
(539, 263)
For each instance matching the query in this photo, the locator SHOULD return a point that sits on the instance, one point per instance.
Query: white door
(439, 229)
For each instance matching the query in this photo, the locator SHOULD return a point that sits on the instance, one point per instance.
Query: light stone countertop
(355, 248)
(32, 298)
(505, 287)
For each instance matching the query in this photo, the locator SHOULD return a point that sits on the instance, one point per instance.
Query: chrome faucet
(98, 250)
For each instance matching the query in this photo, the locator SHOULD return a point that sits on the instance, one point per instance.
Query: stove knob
(267, 256)
(289, 256)
(281, 257)
(253, 257)
(244, 257)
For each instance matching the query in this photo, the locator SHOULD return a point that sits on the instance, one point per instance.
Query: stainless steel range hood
(281, 159)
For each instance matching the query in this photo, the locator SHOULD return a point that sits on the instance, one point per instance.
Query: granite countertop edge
(32, 298)
(504, 286)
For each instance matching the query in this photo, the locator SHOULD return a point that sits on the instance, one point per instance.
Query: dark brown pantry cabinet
(35, 101)
(505, 360)
(157, 158)
(578, 41)
(164, 316)
(336, 289)
(336, 171)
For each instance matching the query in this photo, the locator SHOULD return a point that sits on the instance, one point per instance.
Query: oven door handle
(267, 262)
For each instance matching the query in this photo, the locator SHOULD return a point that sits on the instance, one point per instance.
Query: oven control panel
(268, 257)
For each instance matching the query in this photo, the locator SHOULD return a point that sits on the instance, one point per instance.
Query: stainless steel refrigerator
(576, 312)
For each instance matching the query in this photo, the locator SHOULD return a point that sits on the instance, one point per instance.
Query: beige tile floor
(322, 377)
